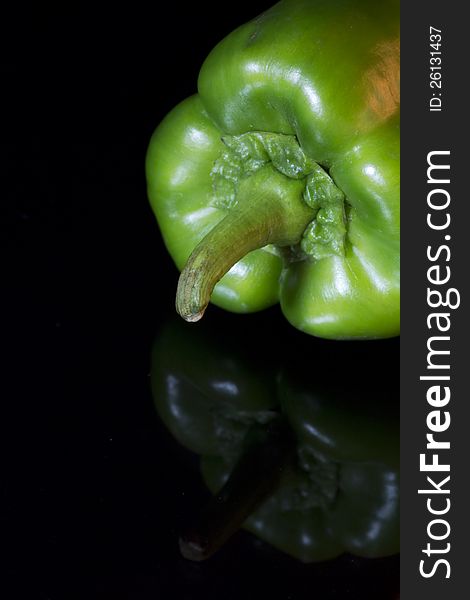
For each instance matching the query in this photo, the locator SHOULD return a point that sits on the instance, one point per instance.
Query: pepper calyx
(246, 154)
(272, 193)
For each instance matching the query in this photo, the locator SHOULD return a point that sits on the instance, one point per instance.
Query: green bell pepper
(279, 180)
(338, 454)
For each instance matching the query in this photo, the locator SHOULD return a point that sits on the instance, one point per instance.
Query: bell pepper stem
(254, 478)
(269, 211)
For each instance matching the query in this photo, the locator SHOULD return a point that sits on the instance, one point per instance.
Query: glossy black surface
(94, 489)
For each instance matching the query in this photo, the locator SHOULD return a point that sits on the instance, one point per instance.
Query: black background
(94, 490)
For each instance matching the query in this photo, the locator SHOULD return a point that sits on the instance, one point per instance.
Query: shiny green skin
(326, 71)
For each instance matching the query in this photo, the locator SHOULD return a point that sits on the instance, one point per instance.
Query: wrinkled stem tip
(189, 303)
(193, 317)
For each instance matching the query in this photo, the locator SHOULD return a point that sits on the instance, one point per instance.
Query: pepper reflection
(299, 446)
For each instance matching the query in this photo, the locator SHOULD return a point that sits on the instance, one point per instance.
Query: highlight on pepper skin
(278, 181)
